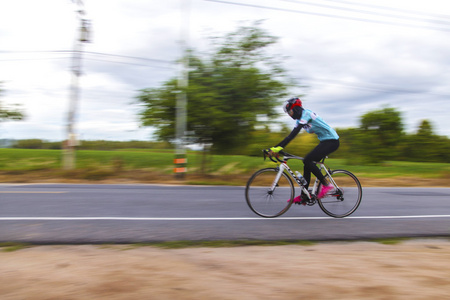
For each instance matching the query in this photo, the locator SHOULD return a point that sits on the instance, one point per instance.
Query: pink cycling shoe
(297, 199)
(325, 189)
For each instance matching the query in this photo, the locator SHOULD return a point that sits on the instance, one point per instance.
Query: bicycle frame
(284, 167)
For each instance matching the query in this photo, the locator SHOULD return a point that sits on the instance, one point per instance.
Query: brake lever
(266, 154)
(278, 158)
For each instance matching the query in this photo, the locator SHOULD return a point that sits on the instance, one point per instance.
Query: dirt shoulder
(415, 269)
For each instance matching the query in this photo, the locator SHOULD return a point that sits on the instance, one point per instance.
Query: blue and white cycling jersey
(313, 123)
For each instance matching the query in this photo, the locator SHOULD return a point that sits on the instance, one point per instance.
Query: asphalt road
(70, 214)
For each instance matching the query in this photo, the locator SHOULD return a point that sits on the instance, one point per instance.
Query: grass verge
(13, 246)
(156, 166)
(219, 244)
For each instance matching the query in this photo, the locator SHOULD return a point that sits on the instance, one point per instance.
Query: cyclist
(312, 123)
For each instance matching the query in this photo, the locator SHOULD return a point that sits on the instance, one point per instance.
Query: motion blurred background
(377, 71)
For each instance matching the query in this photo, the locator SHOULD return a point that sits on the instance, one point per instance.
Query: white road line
(207, 219)
(29, 192)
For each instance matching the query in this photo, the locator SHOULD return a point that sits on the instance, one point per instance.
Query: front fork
(281, 169)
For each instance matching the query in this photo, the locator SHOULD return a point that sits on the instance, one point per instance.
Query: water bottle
(300, 177)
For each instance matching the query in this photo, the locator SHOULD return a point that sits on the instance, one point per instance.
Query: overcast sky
(349, 57)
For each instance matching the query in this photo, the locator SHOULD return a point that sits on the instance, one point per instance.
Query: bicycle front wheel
(346, 197)
(264, 201)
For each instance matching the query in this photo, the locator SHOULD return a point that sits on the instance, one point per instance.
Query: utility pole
(180, 160)
(83, 36)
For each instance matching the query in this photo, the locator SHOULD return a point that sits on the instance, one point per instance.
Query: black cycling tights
(323, 149)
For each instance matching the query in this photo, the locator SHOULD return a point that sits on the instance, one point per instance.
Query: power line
(128, 63)
(169, 64)
(132, 57)
(28, 59)
(405, 11)
(34, 51)
(389, 15)
(94, 53)
(15, 58)
(371, 86)
(331, 16)
(152, 60)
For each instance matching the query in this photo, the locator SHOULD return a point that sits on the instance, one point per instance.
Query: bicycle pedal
(302, 202)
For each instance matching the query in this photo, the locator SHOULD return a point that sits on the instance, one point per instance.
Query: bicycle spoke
(262, 199)
(344, 201)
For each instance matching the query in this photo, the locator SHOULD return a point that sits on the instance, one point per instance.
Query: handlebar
(286, 157)
(276, 159)
(266, 154)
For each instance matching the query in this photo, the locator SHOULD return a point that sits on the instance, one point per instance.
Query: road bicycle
(270, 192)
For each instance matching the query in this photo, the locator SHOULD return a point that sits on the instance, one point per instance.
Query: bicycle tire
(344, 201)
(262, 201)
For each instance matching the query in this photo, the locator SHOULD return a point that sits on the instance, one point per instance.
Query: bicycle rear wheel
(262, 200)
(344, 200)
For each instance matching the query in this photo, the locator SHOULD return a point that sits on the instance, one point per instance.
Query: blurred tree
(7, 113)
(425, 129)
(426, 146)
(29, 144)
(379, 135)
(230, 92)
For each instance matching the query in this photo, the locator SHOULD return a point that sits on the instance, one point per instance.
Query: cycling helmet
(291, 103)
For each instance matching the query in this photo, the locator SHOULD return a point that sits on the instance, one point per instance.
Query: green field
(97, 165)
